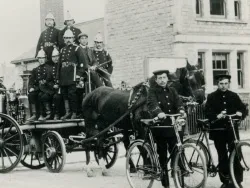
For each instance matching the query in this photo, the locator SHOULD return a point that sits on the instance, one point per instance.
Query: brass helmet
(68, 33)
(41, 53)
(98, 37)
(50, 16)
(68, 17)
(55, 52)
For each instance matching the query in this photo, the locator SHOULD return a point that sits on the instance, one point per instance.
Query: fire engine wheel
(11, 143)
(54, 151)
(33, 161)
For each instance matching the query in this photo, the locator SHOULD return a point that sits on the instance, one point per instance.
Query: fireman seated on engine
(41, 89)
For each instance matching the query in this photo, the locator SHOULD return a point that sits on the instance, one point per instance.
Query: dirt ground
(74, 174)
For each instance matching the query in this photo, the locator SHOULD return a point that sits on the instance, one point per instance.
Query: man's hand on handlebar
(183, 114)
(31, 90)
(239, 114)
(162, 115)
(93, 68)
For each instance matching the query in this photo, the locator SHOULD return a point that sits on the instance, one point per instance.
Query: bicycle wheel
(240, 162)
(140, 159)
(203, 149)
(189, 167)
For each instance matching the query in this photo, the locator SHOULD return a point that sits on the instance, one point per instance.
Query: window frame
(238, 8)
(240, 82)
(216, 15)
(199, 8)
(221, 69)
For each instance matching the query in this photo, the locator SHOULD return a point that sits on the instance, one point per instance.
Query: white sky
(20, 23)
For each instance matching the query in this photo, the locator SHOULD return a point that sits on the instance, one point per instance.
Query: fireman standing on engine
(57, 97)
(69, 22)
(41, 89)
(72, 63)
(48, 37)
(102, 57)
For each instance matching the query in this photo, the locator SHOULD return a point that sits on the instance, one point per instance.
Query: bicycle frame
(204, 135)
(153, 145)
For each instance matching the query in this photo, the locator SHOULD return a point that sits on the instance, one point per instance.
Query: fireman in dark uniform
(41, 88)
(48, 37)
(69, 22)
(57, 97)
(102, 56)
(218, 103)
(1, 84)
(72, 62)
(164, 100)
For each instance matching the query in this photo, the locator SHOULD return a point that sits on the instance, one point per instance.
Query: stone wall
(136, 29)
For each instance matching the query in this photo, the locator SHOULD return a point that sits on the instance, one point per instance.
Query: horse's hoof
(106, 173)
(90, 173)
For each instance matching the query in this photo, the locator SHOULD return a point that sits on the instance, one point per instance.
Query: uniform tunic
(72, 62)
(164, 100)
(42, 81)
(75, 32)
(47, 40)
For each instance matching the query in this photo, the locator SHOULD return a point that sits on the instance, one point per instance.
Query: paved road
(74, 175)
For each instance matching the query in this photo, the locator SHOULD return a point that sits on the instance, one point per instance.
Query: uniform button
(164, 89)
(169, 110)
(225, 103)
(168, 103)
(166, 96)
(224, 96)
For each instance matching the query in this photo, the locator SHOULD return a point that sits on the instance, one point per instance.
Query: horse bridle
(138, 95)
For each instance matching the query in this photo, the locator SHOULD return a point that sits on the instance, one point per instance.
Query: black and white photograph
(125, 93)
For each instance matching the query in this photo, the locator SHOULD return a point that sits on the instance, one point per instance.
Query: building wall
(213, 25)
(56, 7)
(207, 33)
(134, 30)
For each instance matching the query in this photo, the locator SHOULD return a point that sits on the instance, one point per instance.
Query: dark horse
(105, 105)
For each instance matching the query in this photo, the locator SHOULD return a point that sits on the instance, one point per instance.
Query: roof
(26, 56)
(91, 27)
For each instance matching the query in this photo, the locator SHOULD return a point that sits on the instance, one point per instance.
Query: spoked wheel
(33, 161)
(240, 165)
(54, 151)
(140, 166)
(189, 167)
(11, 143)
(203, 149)
(110, 152)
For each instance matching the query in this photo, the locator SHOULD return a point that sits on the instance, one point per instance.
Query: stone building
(213, 33)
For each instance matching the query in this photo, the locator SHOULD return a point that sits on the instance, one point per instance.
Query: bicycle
(143, 154)
(237, 153)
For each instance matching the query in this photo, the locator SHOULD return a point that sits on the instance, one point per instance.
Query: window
(217, 7)
(198, 7)
(201, 59)
(220, 64)
(240, 60)
(237, 9)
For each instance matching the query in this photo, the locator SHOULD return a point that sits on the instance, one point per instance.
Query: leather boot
(47, 110)
(67, 109)
(33, 110)
(41, 109)
(73, 115)
(56, 117)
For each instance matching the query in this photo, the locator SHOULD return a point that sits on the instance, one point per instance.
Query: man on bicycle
(221, 102)
(164, 100)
